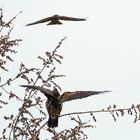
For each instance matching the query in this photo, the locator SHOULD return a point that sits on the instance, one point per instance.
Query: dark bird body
(56, 20)
(55, 100)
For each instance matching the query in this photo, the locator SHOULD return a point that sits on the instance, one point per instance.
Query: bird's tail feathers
(53, 122)
(54, 23)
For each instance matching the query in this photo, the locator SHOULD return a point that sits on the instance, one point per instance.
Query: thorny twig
(134, 109)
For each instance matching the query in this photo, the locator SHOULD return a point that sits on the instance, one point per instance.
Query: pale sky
(99, 54)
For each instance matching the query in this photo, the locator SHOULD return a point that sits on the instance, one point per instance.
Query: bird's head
(56, 16)
(55, 92)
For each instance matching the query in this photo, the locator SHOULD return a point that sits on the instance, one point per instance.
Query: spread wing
(67, 96)
(40, 21)
(46, 92)
(71, 18)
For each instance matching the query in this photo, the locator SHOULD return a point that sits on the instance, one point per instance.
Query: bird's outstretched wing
(71, 18)
(46, 92)
(40, 21)
(67, 96)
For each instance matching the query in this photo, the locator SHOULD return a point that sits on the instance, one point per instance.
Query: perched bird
(56, 20)
(55, 100)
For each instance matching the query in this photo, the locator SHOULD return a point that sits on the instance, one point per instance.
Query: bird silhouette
(55, 100)
(56, 20)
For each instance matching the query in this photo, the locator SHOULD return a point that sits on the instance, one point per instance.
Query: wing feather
(46, 92)
(40, 21)
(71, 18)
(67, 96)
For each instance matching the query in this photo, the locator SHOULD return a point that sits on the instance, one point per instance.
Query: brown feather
(41, 21)
(67, 96)
(46, 92)
(71, 18)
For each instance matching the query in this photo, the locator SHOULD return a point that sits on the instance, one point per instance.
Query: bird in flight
(56, 20)
(55, 100)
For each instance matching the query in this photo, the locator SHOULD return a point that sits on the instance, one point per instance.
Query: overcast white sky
(99, 54)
